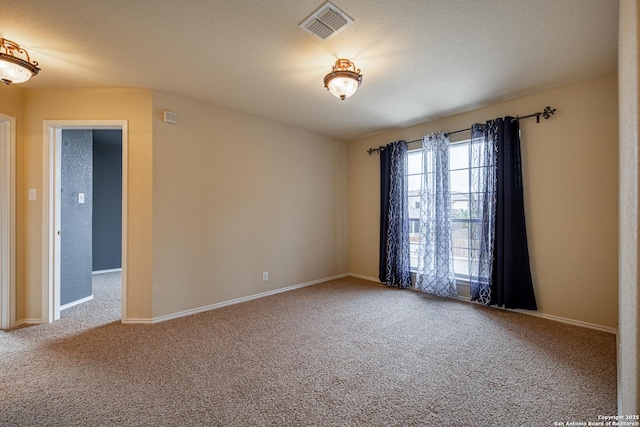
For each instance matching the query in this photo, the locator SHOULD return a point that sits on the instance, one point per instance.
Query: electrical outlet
(265, 276)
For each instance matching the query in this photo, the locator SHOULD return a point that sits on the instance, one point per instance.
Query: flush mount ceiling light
(344, 80)
(15, 64)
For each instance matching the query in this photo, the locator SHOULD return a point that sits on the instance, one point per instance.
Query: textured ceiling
(421, 59)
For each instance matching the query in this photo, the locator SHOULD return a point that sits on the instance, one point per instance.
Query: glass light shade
(15, 64)
(343, 80)
(13, 73)
(343, 87)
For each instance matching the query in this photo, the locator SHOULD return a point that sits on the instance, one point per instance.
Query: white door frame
(7, 221)
(52, 131)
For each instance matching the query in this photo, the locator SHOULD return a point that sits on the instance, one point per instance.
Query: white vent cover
(169, 117)
(326, 22)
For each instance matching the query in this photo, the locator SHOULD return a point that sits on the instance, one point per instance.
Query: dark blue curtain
(385, 182)
(500, 273)
(394, 216)
(512, 285)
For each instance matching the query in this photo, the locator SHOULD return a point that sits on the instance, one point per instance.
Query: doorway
(55, 200)
(7, 221)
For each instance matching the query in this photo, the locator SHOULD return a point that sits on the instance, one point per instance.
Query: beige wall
(224, 208)
(212, 201)
(93, 104)
(235, 195)
(12, 100)
(570, 167)
(12, 104)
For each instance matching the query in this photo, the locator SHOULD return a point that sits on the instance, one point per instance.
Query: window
(414, 175)
(462, 224)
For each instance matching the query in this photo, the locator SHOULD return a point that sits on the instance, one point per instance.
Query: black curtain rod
(546, 113)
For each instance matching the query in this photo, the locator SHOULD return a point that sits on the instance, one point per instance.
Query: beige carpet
(343, 353)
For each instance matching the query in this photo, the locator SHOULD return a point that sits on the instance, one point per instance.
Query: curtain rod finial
(547, 112)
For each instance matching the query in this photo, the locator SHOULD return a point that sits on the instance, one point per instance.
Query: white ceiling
(421, 59)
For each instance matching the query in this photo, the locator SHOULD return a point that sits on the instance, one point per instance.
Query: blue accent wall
(76, 217)
(107, 199)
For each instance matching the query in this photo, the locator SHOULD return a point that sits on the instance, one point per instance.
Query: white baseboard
(29, 322)
(113, 270)
(137, 321)
(76, 302)
(527, 312)
(230, 302)
(361, 276)
(568, 321)
(549, 317)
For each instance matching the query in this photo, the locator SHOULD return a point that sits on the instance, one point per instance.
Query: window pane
(414, 162)
(414, 207)
(414, 184)
(461, 266)
(460, 206)
(459, 156)
(414, 229)
(459, 181)
(460, 234)
(459, 230)
(413, 256)
(461, 252)
(476, 207)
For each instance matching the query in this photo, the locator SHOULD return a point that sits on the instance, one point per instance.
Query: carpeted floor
(343, 353)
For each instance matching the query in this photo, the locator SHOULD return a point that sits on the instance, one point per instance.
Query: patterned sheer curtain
(500, 272)
(482, 209)
(394, 230)
(435, 274)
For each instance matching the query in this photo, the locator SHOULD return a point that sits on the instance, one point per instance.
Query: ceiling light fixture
(15, 69)
(344, 80)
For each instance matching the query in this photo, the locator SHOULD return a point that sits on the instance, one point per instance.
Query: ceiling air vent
(326, 22)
